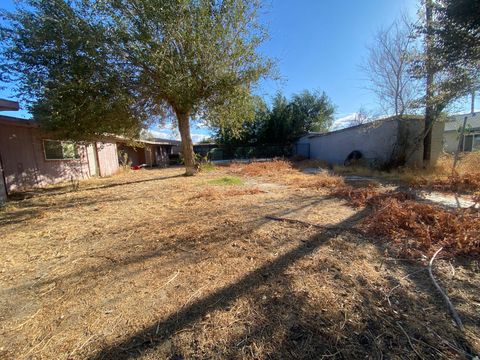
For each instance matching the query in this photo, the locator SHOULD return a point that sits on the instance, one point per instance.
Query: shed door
(92, 161)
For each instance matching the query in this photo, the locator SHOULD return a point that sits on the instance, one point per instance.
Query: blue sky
(318, 45)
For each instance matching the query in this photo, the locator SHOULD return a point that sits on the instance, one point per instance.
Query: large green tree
(445, 79)
(145, 59)
(459, 32)
(308, 111)
(57, 55)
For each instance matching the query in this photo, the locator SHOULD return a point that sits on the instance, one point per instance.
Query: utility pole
(429, 109)
(473, 102)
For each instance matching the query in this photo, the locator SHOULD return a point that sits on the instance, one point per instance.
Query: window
(471, 142)
(60, 150)
(476, 142)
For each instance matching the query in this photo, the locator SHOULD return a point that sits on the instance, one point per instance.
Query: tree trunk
(429, 113)
(187, 145)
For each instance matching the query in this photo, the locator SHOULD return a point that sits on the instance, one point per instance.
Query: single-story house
(471, 137)
(8, 105)
(202, 149)
(381, 143)
(153, 152)
(31, 158)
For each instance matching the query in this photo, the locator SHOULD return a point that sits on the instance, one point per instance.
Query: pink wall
(24, 163)
(3, 192)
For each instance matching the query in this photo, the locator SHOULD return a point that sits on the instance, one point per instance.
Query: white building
(471, 138)
(381, 143)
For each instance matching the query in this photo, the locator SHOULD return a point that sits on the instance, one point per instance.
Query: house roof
(366, 125)
(14, 121)
(11, 120)
(454, 122)
(164, 141)
(8, 105)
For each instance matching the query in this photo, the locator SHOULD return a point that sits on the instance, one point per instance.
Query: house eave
(8, 105)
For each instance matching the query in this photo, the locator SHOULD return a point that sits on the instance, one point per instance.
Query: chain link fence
(217, 152)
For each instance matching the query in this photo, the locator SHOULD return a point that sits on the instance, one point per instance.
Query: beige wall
(437, 140)
(107, 158)
(450, 139)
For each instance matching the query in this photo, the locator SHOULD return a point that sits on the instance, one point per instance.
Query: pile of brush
(459, 183)
(415, 228)
(263, 168)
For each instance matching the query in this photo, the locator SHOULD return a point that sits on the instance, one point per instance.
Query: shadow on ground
(288, 325)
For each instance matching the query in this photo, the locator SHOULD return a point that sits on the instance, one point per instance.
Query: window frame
(77, 153)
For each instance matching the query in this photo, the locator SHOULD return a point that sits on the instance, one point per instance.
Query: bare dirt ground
(152, 265)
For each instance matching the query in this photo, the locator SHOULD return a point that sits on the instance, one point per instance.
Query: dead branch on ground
(454, 313)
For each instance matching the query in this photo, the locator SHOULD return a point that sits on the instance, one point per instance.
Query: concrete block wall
(373, 140)
(380, 142)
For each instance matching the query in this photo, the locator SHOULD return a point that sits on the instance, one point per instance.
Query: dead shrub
(323, 180)
(419, 228)
(460, 183)
(311, 163)
(415, 228)
(266, 168)
(357, 196)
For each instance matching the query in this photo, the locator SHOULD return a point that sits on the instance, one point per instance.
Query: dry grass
(141, 266)
(311, 163)
(265, 168)
(466, 179)
(215, 194)
(317, 181)
(458, 183)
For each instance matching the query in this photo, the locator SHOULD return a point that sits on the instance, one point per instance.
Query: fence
(245, 152)
(302, 150)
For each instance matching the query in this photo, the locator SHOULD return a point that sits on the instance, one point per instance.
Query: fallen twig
(454, 313)
(170, 280)
(397, 286)
(409, 341)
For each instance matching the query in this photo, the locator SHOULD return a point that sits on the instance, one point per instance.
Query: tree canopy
(57, 55)
(284, 122)
(459, 31)
(91, 68)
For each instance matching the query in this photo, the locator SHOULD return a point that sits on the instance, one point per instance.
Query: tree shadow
(157, 332)
(298, 329)
(66, 188)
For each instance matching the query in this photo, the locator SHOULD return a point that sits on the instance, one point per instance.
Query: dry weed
(465, 179)
(415, 228)
(322, 180)
(266, 168)
(357, 197)
(311, 163)
(419, 228)
(459, 183)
